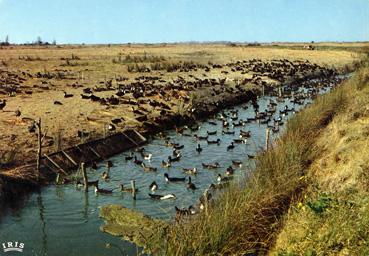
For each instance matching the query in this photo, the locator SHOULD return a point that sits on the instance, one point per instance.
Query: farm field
(149, 79)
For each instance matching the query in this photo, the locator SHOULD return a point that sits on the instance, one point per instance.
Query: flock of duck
(148, 94)
(229, 126)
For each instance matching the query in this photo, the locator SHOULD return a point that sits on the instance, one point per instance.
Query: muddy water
(63, 220)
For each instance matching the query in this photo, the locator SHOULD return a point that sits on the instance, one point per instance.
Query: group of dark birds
(153, 93)
(273, 117)
(148, 94)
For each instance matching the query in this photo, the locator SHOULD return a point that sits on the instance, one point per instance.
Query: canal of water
(63, 220)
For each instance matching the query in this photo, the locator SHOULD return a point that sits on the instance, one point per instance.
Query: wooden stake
(84, 173)
(263, 90)
(39, 150)
(133, 185)
(267, 139)
(206, 203)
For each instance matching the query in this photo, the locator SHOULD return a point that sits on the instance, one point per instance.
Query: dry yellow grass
(332, 218)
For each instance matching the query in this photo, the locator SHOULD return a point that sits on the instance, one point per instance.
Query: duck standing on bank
(2, 105)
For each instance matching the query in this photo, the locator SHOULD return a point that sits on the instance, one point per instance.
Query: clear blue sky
(151, 21)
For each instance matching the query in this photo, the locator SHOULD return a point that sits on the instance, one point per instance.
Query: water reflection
(43, 223)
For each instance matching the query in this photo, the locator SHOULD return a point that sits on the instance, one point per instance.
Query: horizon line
(192, 42)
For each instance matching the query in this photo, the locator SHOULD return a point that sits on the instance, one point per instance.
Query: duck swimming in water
(166, 164)
(102, 191)
(201, 137)
(190, 185)
(237, 163)
(153, 186)
(229, 171)
(244, 134)
(178, 147)
(89, 183)
(211, 166)
(228, 132)
(176, 153)
(174, 159)
(171, 144)
(162, 197)
(124, 189)
(213, 141)
(212, 132)
(130, 157)
(105, 175)
(230, 147)
(172, 179)
(148, 168)
(147, 156)
(136, 161)
(198, 149)
(220, 178)
(192, 171)
(240, 141)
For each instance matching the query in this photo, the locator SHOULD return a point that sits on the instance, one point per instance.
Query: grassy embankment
(317, 172)
(332, 218)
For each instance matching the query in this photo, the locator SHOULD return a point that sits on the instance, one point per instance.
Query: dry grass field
(32, 78)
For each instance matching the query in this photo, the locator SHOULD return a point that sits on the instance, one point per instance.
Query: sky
(159, 21)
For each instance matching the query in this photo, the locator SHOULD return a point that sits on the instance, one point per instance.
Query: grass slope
(333, 216)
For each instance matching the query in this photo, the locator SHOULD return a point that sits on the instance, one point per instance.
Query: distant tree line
(38, 41)
(6, 42)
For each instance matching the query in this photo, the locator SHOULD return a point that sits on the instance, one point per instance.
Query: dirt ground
(33, 80)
